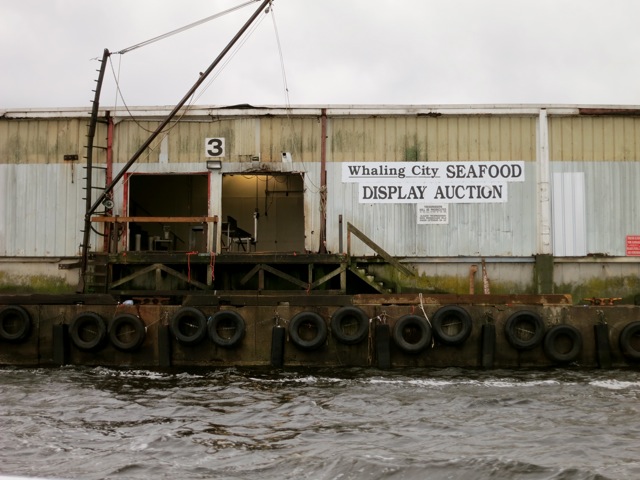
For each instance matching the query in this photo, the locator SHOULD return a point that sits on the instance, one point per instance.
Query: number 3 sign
(214, 147)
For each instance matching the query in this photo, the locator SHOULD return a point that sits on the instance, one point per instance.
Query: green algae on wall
(626, 288)
(34, 284)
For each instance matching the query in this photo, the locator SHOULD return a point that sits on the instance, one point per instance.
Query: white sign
(433, 182)
(421, 172)
(433, 214)
(214, 147)
(433, 193)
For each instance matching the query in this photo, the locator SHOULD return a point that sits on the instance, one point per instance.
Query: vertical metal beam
(543, 172)
(340, 234)
(323, 182)
(109, 176)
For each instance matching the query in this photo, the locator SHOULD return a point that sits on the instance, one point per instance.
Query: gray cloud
(335, 51)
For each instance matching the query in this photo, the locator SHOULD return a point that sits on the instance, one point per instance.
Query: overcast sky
(334, 52)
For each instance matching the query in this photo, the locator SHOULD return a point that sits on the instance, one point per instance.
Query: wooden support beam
(154, 219)
(329, 276)
(376, 248)
(157, 267)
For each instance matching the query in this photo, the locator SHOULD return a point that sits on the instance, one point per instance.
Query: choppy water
(320, 424)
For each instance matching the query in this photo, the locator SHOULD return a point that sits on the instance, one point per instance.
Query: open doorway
(263, 212)
(165, 196)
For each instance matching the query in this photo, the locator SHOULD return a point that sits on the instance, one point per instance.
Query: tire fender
(447, 316)
(220, 320)
(350, 314)
(188, 325)
(412, 322)
(628, 347)
(310, 320)
(127, 332)
(15, 324)
(524, 321)
(551, 347)
(88, 331)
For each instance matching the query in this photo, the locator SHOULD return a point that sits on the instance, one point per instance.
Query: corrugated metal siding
(446, 138)
(507, 229)
(46, 141)
(488, 230)
(299, 136)
(607, 150)
(588, 138)
(41, 210)
(612, 199)
(569, 214)
(245, 138)
(41, 205)
(130, 135)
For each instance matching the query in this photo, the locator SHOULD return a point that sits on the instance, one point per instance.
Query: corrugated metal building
(570, 226)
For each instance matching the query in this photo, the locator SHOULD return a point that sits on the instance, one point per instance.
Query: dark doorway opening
(165, 196)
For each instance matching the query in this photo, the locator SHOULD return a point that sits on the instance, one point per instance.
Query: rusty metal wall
(49, 343)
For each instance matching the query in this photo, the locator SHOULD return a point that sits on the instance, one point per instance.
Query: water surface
(95, 423)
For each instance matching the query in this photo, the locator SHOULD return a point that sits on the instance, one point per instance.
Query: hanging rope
(189, 264)
(182, 29)
(282, 69)
(166, 35)
(229, 57)
(433, 341)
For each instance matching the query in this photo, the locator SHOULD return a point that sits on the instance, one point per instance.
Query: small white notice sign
(433, 214)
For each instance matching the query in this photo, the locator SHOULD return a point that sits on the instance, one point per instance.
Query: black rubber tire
(514, 327)
(550, 345)
(627, 345)
(189, 326)
(15, 324)
(220, 320)
(344, 314)
(88, 331)
(441, 323)
(313, 321)
(412, 321)
(127, 332)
